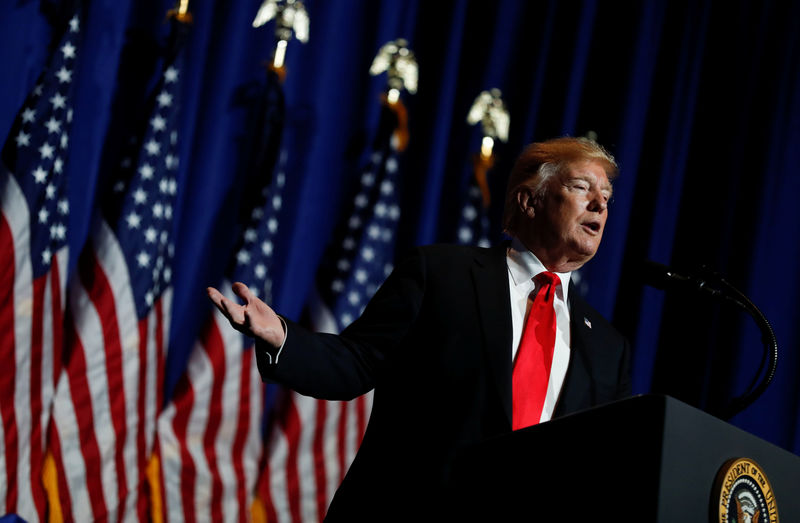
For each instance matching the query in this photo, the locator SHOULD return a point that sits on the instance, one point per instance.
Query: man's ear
(525, 200)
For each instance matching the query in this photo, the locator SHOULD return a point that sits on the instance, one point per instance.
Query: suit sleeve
(344, 366)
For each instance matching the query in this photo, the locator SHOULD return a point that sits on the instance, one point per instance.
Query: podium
(647, 458)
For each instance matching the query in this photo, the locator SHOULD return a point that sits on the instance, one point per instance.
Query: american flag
(312, 443)
(117, 325)
(33, 267)
(210, 437)
(473, 222)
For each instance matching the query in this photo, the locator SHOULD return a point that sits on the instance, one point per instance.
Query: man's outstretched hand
(254, 318)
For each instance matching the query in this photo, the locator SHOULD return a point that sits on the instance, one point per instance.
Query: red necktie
(535, 355)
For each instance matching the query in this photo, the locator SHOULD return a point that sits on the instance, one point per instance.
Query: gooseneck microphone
(709, 282)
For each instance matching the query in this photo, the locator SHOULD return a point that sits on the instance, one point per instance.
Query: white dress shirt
(523, 266)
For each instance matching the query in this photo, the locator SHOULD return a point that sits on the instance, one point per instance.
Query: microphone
(663, 277)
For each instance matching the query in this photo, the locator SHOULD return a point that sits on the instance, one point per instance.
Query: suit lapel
(576, 391)
(490, 277)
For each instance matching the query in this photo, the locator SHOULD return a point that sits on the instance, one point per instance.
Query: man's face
(568, 221)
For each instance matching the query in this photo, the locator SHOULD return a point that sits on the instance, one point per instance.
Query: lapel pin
(587, 322)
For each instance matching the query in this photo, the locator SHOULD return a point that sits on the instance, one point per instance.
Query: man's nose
(598, 202)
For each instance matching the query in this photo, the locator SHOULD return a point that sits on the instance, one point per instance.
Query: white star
(354, 222)
(53, 125)
(143, 259)
(163, 237)
(376, 157)
(343, 265)
(46, 150)
(74, 24)
(146, 171)
(64, 141)
(64, 75)
(367, 179)
(391, 165)
(250, 235)
(63, 206)
(361, 200)
(394, 212)
(173, 137)
(152, 147)
(171, 75)
(158, 210)
(163, 186)
(465, 235)
(68, 50)
(158, 123)
(354, 298)
(168, 211)
(28, 115)
(58, 231)
(469, 213)
(243, 257)
(38, 90)
(58, 165)
(272, 225)
(164, 99)
(276, 202)
(386, 235)
(148, 298)
(349, 243)
(150, 235)
(367, 253)
(346, 319)
(337, 286)
(43, 215)
(380, 210)
(167, 274)
(387, 269)
(69, 115)
(50, 191)
(170, 160)
(23, 139)
(260, 271)
(281, 179)
(387, 187)
(46, 256)
(266, 248)
(119, 187)
(58, 101)
(139, 196)
(133, 220)
(361, 276)
(257, 213)
(39, 174)
(374, 232)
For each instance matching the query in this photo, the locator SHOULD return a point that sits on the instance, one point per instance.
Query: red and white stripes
(210, 441)
(31, 327)
(107, 397)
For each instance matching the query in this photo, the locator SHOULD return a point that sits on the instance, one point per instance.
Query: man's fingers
(241, 290)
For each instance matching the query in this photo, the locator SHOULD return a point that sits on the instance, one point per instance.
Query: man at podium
(462, 344)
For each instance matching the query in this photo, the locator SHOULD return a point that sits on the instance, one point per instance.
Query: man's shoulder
(461, 252)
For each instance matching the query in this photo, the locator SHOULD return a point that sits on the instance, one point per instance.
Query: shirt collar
(524, 265)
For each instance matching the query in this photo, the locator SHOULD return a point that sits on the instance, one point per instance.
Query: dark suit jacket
(435, 343)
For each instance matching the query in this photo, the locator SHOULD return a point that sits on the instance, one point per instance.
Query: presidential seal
(742, 494)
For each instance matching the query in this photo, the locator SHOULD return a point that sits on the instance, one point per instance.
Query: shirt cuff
(273, 353)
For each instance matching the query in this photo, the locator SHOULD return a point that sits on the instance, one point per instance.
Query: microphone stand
(723, 289)
(768, 358)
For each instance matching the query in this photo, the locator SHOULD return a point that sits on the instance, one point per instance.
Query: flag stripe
(7, 379)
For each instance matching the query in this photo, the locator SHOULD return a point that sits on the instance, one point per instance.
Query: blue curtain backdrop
(699, 101)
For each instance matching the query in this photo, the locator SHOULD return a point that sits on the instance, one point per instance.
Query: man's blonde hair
(539, 161)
